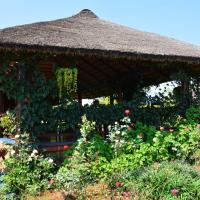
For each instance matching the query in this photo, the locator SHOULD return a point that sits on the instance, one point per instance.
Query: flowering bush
(91, 145)
(128, 147)
(77, 171)
(181, 144)
(27, 172)
(126, 136)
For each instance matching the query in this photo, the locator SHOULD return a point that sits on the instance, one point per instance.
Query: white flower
(17, 136)
(118, 132)
(35, 151)
(123, 133)
(50, 160)
(154, 139)
(32, 154)
(29, 159)
(116, 123)
(174, 148)
(129, 120)
(12, 152)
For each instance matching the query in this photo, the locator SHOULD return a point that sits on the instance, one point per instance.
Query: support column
(111, 100)
(2, 106)
(127, 94)
(185, 96)
(119, 96)
(21, 76)
(80, 98)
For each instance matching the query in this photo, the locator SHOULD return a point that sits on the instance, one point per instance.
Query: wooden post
(19, 103)
(2, 99)
(111, 100)
(80, 98)
(119, 96)
(127, 94)
(185, 99)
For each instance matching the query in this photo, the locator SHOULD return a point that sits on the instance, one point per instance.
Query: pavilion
(110, 58)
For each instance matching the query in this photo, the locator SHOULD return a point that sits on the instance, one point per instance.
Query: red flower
(174, 191)
(127, 112)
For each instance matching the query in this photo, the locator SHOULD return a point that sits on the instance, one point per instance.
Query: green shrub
(8, 123)
(91, 145)
(27, 172)
(126, 137)
(80, 168)
(74, 176)
(167, 181)
(193, 115)
(128, 147)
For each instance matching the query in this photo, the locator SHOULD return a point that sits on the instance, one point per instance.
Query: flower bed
(135, 161)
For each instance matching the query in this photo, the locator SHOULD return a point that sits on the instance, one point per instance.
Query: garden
(145, 148)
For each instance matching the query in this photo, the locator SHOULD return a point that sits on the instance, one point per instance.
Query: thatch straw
(86, 32)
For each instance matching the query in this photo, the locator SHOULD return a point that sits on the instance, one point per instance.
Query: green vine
(66, 80)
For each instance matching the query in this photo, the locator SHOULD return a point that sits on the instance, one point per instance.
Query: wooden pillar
(21, 76)
(2, 103)
(80, 98)
(127, 94)
(119, 96)
(111, 100)
(185, 96)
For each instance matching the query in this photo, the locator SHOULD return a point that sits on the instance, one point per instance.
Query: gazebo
(110, 57)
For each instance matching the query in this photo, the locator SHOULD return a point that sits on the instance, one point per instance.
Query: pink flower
(127, 112)
(119, 184)
(132, 124)
(161, 128)
(174, 191)
(126, 194)
(140, 136)
(171, 130)
(51, 182)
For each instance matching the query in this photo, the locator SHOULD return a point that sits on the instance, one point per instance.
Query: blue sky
(179, 19)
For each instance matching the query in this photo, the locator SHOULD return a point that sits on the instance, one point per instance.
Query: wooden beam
(88, 62)
(109, 66)
(94, 76)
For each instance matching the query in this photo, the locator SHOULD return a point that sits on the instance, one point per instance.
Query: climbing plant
(66, 80)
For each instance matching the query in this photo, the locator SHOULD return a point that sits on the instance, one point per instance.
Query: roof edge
(100, 53)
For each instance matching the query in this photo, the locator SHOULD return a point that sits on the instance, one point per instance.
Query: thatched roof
(88, 32)
(109, 56)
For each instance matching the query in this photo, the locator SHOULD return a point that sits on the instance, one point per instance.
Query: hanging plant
(66, 80)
